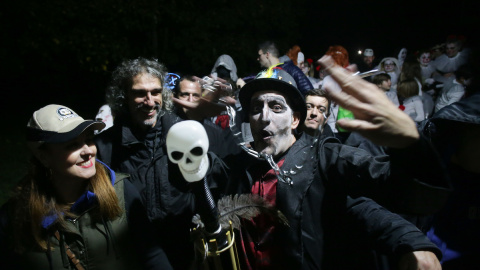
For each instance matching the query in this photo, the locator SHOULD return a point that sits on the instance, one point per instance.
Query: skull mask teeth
(187, 146)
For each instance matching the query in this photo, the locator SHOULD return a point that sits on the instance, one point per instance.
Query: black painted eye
(277, 108)
(177, 155)
(197, 151)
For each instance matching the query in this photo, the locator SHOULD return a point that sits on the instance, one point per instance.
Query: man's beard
(151, 121)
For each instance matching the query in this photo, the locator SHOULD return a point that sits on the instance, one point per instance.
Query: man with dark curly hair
(136, 145)
(136, 89)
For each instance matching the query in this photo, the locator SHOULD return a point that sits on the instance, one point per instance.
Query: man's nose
(266, 114)
(149, 99)
(190, 98)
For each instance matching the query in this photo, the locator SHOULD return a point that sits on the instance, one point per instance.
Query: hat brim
(295, 98)
(38, 135)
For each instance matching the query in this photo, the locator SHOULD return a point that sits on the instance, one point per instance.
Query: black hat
(275, 79)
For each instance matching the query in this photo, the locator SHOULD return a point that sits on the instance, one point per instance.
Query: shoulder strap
(70, 254)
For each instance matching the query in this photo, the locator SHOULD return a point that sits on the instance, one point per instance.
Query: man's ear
(295, 119)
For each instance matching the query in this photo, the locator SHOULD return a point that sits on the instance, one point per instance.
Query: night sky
(38, 69)
(387, 25)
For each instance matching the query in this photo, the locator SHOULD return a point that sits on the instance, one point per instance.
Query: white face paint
(105, 115)
(451, 49)
(389, 66)
(271, 121)
(403, 54)
(424, 59)
(304, 67)
(187, 146)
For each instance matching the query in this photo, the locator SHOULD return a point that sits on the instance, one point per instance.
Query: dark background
(62, 51)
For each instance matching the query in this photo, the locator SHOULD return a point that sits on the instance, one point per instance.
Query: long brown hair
(411, 70)
(407, 88)
(35, 198)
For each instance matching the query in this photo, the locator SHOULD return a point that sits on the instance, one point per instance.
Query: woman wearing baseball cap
(71, 211)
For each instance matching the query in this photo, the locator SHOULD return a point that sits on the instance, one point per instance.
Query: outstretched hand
(213, 100)
(376, 117)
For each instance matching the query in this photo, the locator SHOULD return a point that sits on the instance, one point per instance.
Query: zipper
(74, 220)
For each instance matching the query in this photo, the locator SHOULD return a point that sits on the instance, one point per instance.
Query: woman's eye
(74, 145)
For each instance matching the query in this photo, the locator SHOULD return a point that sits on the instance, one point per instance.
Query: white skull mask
(187, 146)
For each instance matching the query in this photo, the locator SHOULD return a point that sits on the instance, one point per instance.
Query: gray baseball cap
(56, 124)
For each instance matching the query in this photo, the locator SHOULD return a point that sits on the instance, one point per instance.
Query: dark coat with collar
(167, 196)
(456, 226)
(324, 220)
(123, 243)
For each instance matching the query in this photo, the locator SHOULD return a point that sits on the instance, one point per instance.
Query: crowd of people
(374, 165)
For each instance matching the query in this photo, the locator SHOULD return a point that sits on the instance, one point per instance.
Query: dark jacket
(303, 83)
(169, 202)
(123, 243)
(324, 221)
(456, 226)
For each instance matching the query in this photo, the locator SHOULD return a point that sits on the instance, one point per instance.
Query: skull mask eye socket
(177, 155)
(197, 151)
(187, 144)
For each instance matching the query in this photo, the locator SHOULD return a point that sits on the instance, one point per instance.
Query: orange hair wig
(293, 53)
(339, 55)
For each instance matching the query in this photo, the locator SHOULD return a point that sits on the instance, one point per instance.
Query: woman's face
(389, 66)
(424, 59)
(74, 159)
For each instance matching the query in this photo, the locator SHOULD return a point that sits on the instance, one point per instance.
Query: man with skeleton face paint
(310, 186)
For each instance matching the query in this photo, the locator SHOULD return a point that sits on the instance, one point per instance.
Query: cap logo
(65, 113)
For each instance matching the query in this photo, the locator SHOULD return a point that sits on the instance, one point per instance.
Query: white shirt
(414, 108)
(451, 92)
